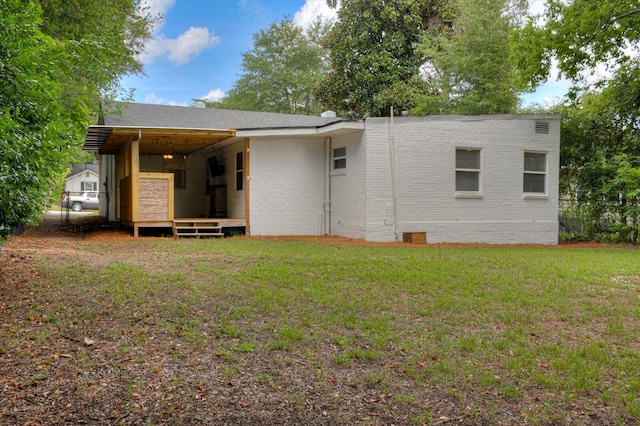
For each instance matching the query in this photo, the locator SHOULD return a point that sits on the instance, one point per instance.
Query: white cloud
(152, 98)
(537, 7)
(152, 50)
(213, 95)
(157, 9)
(311, 10)
(190, 44)
(181, 50)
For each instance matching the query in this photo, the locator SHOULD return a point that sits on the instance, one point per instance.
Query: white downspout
(327, 186)
(392, 147)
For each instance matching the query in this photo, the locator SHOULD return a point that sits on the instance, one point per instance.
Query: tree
(581, 35)
(600, 146)
(102, 40)
(470, 71)
(600, 155)
(56, 61)
(373, 55)
(33, 130)
(279, 73)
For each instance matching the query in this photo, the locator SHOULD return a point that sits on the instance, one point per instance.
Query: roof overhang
(153, 140)
(334, 129)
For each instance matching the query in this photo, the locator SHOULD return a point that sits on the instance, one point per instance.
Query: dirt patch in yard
(98, 229)
(135, 368)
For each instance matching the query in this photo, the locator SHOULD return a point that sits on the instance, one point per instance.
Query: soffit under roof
(110, 140)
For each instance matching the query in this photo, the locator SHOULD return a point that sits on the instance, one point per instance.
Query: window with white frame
(535, 173)
(88, 186)
(339, 159)
(468, 170)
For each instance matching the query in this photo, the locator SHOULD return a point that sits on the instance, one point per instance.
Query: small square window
(339, 158)
(467, 170)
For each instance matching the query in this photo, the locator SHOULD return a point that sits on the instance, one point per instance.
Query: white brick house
(469, 179)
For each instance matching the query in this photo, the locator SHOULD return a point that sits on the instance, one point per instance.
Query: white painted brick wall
(287, 186)
(348, 190)
(235, 198)
(425, 180)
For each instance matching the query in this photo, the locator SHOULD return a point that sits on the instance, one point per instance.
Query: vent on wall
(414, 237)
(542, 128)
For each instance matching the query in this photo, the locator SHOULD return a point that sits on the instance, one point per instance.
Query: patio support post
(247, 186)
(135, 183)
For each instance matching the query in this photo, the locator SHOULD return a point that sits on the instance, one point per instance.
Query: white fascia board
(118, 127)
(343, 127)
(330, 130)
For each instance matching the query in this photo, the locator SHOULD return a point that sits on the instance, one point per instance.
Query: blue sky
(197, 48)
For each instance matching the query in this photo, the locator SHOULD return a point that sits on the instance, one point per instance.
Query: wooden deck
(204, 227)
(190, 227)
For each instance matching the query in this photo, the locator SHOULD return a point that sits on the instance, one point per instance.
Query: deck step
(186, 228)
(201, 234)
(196, 228)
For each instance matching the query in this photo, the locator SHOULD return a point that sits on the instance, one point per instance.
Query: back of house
(467, 179)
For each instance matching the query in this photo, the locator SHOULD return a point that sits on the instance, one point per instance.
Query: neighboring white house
(83, 177)
(468, 179)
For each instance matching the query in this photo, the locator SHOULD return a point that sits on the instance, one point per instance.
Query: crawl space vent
(542, 128)
(414, 237)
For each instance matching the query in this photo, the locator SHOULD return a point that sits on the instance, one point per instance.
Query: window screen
(340, 158)
(467, 170)
(535, 172)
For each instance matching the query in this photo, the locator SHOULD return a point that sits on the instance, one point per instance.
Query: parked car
(88, 200)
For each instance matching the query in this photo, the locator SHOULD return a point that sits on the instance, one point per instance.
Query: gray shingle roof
(149, 115)
(79, 168)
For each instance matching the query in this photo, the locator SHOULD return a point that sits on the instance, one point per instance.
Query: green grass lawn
(540, 333)
(56, 207)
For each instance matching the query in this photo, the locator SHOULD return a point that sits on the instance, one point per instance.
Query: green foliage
(470, 71)
(580, 34)
(102, 41)
(58, 58)
(279, 73)
(374, 61)
(34, 136)
(600, 156)
(626, 182)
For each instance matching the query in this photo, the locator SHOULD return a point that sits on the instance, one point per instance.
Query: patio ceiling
(110, 140)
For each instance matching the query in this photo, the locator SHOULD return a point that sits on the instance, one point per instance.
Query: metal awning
(156, 140)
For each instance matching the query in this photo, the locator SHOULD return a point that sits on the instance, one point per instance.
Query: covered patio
(146, 199)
